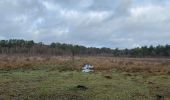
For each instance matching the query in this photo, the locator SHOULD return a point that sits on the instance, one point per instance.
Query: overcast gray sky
(99, 23)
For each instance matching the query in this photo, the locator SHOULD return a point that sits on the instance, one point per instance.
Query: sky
(97, 23)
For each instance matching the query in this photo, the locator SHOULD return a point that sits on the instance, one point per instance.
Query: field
(51, 78)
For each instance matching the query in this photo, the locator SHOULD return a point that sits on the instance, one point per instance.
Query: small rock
(159, 97)
(150, 82)
(108, 76)
(82, 87)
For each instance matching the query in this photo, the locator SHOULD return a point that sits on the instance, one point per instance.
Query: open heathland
(61, 78)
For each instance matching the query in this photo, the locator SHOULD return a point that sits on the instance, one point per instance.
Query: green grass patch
(60, 82)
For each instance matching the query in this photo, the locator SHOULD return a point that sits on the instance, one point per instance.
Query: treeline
(30, 48)
(145, 51)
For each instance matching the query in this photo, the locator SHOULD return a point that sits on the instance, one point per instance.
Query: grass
(52, 84)
(59, 79)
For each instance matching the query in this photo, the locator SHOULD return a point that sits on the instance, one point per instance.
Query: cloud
(109, 23)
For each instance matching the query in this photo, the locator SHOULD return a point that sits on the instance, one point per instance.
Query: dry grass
(153, 66)
(29, 62)
(149, 66)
